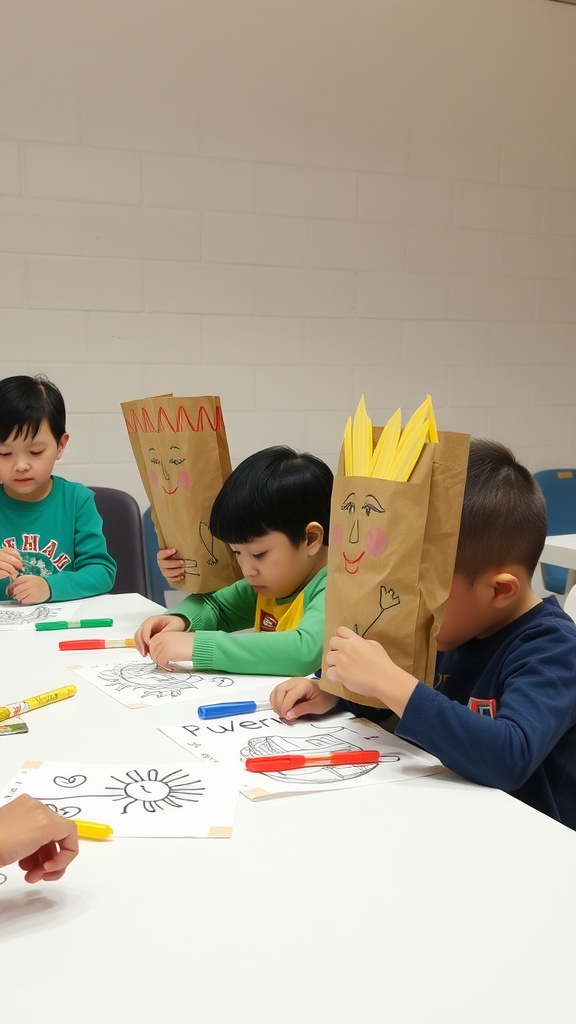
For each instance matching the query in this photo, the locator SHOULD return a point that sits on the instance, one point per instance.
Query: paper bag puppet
(182, 453)
(395, 517)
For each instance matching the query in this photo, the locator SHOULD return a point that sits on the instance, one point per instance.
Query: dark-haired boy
(274, 511)
(503, 710)
(52, 545)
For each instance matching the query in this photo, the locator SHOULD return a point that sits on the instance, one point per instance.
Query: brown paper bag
(391, 557)
(182, 453)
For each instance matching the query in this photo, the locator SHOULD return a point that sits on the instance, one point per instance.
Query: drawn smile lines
(352, 564)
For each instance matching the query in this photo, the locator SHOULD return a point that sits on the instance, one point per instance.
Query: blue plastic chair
(156, 585)
(559, 490)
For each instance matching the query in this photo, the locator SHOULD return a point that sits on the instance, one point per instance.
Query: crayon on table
(92, 829)
(94, 645)
(286, 762)
(240, 707)
(32, 703)
(79, 624)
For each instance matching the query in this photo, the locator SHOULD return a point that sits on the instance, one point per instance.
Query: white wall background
(289, 203)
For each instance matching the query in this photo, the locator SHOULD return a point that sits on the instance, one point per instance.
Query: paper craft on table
(137, 800)
(265, 734)
(140, 683)
(25, 616)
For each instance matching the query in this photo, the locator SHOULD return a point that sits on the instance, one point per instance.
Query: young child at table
(503, 709)
(43, 842)
(274, 511)
(53, 548)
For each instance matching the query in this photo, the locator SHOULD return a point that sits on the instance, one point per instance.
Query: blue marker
(241, 707)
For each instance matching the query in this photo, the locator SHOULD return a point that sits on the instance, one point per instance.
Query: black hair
(276, 489)
(25, 402)
(503, 513)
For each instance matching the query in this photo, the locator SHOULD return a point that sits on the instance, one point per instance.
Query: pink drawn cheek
(376, 540)
(335, 535)
(184, 481)
(153, 477)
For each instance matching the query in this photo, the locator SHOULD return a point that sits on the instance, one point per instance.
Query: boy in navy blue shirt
(503, 708)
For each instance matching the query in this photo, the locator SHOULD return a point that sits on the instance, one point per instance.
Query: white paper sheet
(137, 800)
(25, 616)
(263, 734)
(137, 682)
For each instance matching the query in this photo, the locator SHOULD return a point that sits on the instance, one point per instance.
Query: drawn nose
(354, 533)
(165, 474)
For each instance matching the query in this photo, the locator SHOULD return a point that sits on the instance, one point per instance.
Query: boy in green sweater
(274, 511)
(51, 543)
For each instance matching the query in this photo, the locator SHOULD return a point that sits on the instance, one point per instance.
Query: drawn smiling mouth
(169, 492)
(352, 564)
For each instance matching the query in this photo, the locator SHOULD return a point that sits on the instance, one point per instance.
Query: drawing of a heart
(66, 812)
(72, 783)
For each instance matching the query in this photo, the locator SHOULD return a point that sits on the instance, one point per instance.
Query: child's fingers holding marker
(10, 563)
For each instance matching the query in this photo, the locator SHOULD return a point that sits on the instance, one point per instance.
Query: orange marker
(285, 762)
(93, 645)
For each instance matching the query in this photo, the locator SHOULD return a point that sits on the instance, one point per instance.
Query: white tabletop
(560, 550)
(429, 900)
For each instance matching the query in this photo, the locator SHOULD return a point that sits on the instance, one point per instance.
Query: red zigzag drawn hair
(144, 424)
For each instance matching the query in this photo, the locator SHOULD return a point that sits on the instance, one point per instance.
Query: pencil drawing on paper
(2, 879)
(319, 743)
(146, 789)
(19, 616)
(149, 680)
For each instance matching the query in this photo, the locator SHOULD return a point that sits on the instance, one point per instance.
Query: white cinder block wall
(289, 203)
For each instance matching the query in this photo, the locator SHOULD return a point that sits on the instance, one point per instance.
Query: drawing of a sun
(156, 794)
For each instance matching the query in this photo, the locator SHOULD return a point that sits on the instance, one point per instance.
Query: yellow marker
(92, 829)
(31, 703)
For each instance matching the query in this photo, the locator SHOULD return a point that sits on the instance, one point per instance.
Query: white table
(432, 900)
(561, 550)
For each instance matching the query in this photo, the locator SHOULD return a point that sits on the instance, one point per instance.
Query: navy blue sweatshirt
(519, 732)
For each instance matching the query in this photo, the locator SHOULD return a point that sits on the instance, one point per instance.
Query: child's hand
(43, 843)
(170, 565)
(29, 590)
(168, 646)
(156, 624)
(10, 563)
(299, 696)
(364, 667)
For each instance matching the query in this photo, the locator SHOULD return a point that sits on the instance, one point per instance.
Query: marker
(286, 762)
(80, 624)
(241, 707)
(92, 829)
(31, 703)
(94, 645)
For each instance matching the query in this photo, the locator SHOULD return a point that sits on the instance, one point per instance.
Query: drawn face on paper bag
(358, 529)
(168, 464)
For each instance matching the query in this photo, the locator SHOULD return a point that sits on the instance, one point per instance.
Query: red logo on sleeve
(484, 707)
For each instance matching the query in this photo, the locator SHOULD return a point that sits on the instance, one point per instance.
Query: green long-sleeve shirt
(62, 533)
(213, 618)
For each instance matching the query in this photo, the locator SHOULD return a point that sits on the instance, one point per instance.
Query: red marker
(285, 762)
(93, 645)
